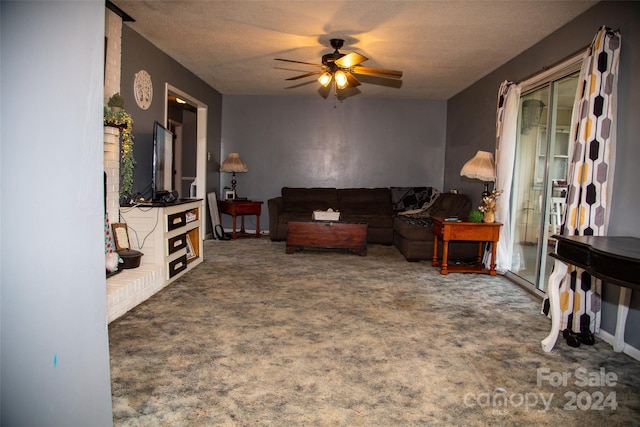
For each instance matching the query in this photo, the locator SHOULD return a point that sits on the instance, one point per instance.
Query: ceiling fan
(340, 68)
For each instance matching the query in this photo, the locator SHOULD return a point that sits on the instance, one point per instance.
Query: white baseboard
(610, 339)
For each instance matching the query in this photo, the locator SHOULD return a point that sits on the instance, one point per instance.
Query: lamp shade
(480, 167)
(233, 163)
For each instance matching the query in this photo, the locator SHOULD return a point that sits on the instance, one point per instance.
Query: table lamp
(480, 167)
(233, 163)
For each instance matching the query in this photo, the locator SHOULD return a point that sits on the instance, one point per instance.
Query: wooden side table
(464, 231)
(241, 208)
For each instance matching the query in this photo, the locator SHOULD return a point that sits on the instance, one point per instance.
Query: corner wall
(139, 54)
(113, 55)
(471, 125)
(54, 344)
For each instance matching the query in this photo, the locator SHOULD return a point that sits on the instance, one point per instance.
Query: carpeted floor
(256, 337)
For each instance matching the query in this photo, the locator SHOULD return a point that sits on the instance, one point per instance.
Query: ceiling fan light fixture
(341, 69)
(325, 79)
(341, 79)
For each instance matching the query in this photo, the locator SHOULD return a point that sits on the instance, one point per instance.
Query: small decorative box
(328, 215)
(190, 217)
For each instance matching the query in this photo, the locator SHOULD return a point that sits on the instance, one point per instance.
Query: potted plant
(121, 119)
(475, 216)
(116, 102)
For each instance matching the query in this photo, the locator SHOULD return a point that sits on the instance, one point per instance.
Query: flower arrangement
(123, 120)
(489, 206)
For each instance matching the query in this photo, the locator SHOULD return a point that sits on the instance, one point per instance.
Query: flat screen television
(162, 182)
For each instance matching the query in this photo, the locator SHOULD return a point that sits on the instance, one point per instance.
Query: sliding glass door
(540, 176)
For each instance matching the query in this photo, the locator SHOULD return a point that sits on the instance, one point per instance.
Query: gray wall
(138, 54)
(54, 343)
(471, 124)
(311, 141)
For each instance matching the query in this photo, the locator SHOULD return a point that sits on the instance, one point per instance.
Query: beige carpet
(256, 337)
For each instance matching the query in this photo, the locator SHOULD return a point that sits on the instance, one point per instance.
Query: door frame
(201, 137)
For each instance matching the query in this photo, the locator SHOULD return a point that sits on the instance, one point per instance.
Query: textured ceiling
(441, 46)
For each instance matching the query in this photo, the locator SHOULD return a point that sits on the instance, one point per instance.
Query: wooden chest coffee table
(327, 234)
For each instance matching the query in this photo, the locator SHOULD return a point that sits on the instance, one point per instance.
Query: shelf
(168, 236)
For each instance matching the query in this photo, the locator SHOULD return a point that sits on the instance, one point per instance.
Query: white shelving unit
(168, 236)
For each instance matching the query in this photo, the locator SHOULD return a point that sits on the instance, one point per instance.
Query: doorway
(191, 146)
(195, 121)
(540, 176)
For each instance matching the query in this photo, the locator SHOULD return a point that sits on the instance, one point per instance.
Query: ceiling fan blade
(380, 72)
(290, 69)
(350, 59)
(313, 73)
(299, 62)
(351, 79)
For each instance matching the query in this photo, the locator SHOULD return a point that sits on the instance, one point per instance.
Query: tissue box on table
(328, 215)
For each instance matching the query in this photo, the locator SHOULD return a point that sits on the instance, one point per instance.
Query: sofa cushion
(307, 200)
(410, 198)
(450, 204)
(364, 201)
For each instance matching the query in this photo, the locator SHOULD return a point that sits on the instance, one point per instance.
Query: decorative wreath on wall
(121, 119)
(143, 89)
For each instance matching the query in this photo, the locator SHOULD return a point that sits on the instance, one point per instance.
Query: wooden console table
(464, 231)
(612, 259)
(240, 208)
(327, 234)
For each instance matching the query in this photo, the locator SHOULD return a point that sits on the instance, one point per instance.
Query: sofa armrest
(275, 206)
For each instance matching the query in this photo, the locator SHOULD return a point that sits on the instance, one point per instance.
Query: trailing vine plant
(123, 120)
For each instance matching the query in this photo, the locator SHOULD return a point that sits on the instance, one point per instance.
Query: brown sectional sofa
(382, 209)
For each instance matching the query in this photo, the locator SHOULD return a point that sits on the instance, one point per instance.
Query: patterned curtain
(591, 171)
(506, 135)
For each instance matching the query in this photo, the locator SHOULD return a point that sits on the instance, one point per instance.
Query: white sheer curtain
(506, 134)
